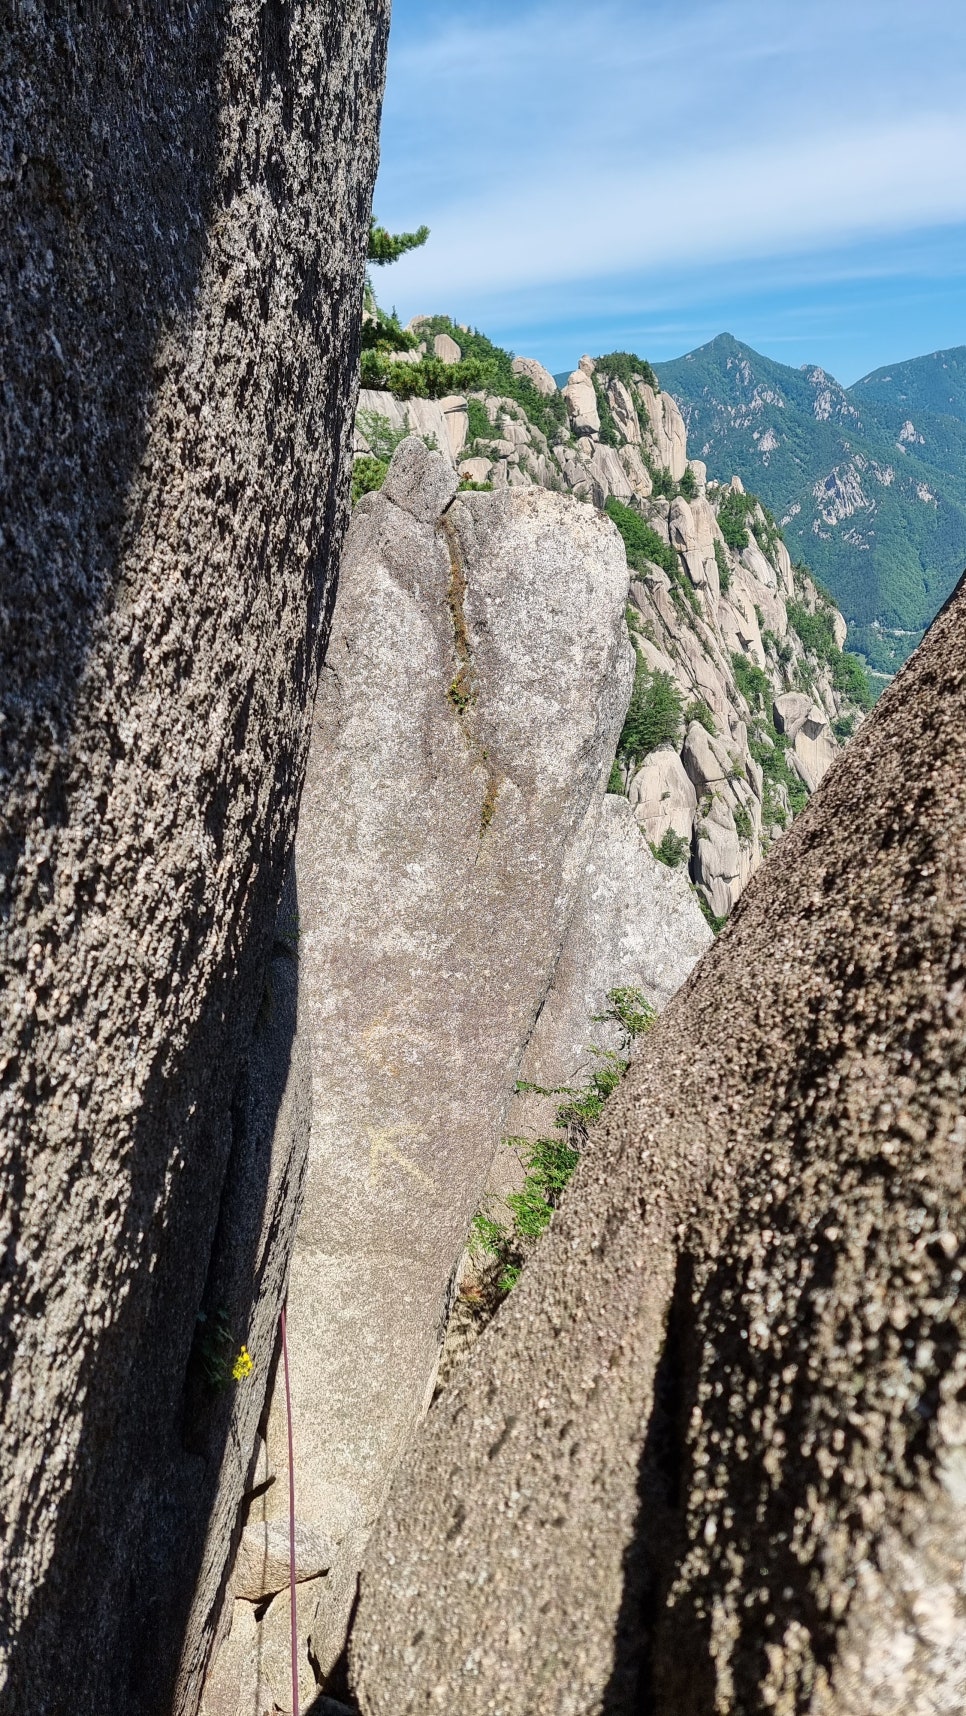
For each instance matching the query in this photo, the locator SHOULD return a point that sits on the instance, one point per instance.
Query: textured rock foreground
(711, 1457)
(474, 687)
(181, 304)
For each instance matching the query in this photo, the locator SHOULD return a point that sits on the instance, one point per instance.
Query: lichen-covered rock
(710, 1456)
(182, 290)
(467, 715)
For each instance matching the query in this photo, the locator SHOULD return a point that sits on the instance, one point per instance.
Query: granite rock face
(724, 623)
(473, 691)
(181, 307)
(710, 1456)
(637, 925)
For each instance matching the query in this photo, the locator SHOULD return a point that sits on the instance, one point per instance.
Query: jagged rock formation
(181, 301)
(750, 748)
(473, 691)
(869, 481)
(710, 1457)
(735, 628)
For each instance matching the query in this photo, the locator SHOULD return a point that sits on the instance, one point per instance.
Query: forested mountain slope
(868, 482)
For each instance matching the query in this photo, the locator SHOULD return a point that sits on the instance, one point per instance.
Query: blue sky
(644, 174)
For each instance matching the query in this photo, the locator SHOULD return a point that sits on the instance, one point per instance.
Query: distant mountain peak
(870, 480)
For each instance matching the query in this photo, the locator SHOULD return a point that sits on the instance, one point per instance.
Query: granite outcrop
(473, 691)
(717, 610)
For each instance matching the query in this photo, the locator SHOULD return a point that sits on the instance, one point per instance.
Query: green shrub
(724, 569)
(716, 924)
(769, 750)
(699, 711)
(815, 631)
(367, 476)
(817, 634)
(843, 728)
(630, 1009)
(386, 334)
(549, 1165)
(379, 433)
(615, 781)
(850, 676)
(672, 849)
(626, 367)
(479, 427)
(664, 484)
(641, 539)
(549, 1162)
(428, 379)
(609, 433)
(743, 822)
(752, 681)
(549, 415)
(654, 714)
(732, 513)
(688, 486)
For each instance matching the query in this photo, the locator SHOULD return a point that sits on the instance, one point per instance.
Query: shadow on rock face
(179, 359)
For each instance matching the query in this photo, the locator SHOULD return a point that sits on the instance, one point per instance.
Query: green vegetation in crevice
(715, 924)
(501, 1245)
(732, 520)
(653, 716)
(724, 567)
(641, 540)
(743, 823)
(483, 366)
(752, 681)
(479, 427)
(817, 635)
(770, 751)
(368, 475)
(699, 711)
(609, 433)
(672, 849)
(662, 483)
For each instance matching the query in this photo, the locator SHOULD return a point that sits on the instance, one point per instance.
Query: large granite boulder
(710, 1456)
(531, 370)
(473, 692)
(582, 403)
(182, 292)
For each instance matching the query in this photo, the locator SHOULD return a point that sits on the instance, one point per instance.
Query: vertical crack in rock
(464, 688)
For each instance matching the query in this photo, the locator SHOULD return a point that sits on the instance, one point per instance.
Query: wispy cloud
(551, 146)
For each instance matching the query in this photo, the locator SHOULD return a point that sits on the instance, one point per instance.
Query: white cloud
(780, 194)
(561, 142)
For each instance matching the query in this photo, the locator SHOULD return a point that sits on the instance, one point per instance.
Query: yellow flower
(243, 1365)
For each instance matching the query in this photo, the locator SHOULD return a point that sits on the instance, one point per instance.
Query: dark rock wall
(186, 194)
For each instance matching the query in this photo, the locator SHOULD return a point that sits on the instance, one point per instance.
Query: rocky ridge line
(762, 696)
